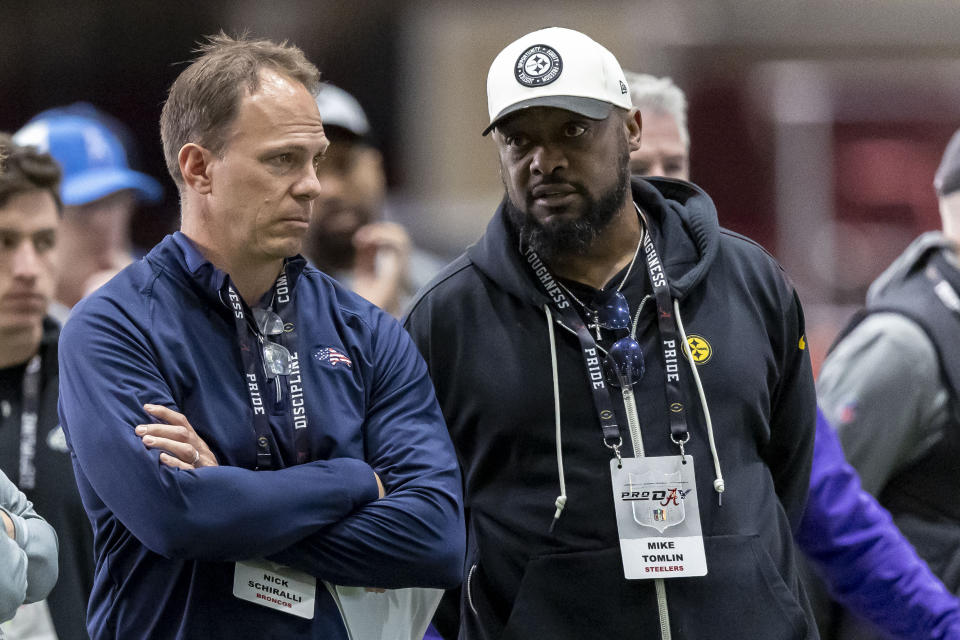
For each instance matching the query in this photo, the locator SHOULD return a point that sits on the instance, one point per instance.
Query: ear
(634, 124)
(195, 164)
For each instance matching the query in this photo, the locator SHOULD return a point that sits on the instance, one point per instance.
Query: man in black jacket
(602, 498)
(33, 450)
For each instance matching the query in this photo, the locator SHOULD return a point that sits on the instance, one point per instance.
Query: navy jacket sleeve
(866, 562)
(414, 536)
(789, 451)
(221, 513)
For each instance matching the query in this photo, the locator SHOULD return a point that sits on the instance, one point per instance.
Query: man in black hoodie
(580, 350)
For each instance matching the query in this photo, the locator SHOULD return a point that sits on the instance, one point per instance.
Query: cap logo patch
(537, 66)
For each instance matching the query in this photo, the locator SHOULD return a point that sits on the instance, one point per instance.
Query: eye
(573, 129)
(44, 242)
(8, 241)
(516, 140)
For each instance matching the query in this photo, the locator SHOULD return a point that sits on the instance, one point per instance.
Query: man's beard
(573, 236)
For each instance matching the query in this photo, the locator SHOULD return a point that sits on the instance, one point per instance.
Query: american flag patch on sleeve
(332, 356)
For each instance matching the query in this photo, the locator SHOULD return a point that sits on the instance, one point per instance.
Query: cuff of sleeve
(20, 528)
(364, 481)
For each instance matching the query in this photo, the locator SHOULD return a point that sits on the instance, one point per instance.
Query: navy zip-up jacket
(166, 539)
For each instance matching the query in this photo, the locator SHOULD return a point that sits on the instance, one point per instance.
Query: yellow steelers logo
(700, 349)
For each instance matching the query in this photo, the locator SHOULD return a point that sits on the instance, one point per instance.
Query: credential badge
(537, 66)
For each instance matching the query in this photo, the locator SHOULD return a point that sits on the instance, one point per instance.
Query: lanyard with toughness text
(588, 348)
(672, 349)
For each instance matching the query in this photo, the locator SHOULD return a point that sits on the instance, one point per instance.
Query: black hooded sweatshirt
(483, 331)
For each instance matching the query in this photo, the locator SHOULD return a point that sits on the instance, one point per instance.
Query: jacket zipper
(469, 592)
(633, 422)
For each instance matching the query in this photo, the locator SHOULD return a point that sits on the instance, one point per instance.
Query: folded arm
(413, 536)
(28, 551)
(107, 374)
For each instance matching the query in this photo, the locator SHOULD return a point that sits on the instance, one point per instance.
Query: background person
(29, 219)
(349, 238)
(890, 385)
(99, 192)
(867, 564)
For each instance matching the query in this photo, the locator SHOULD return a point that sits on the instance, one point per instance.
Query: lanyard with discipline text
(28, 424)
(588, 347)
(672, 349)
(251, 344)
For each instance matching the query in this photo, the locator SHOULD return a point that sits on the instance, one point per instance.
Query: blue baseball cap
(91, 155)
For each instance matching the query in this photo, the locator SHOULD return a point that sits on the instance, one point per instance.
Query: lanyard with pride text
(251, 341)
(588, 347)
(28, 424)
(672, 349)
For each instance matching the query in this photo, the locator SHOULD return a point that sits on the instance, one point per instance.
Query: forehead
(660, 129)
(546, 117)
(281, 109)
(29, 212)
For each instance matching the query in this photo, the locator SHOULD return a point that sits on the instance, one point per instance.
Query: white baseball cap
(555, 67)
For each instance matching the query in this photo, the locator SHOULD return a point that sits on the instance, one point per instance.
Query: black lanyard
(28, 424)
(588, 348)
(672, 349)
(251, 342)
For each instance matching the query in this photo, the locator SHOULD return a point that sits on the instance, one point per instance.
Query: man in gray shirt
(28, 552)
(891, 383)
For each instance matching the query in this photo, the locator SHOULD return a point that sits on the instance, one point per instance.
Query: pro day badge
(537, 66)
(658, 518)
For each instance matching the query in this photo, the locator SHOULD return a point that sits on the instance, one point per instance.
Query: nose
(547, 159)
(26, 261)
(308, 187)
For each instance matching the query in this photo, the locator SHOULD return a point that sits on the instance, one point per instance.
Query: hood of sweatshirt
(683, 225)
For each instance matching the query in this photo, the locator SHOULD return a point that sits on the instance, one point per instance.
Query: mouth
(24, 302)
(554, 194)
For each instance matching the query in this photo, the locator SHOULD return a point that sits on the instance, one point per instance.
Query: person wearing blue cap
(99, 192)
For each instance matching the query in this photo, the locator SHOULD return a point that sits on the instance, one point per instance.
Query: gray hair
(650, 93)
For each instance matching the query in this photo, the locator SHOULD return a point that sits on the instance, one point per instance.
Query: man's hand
(182, 447)
(380, 265)
(12, 533)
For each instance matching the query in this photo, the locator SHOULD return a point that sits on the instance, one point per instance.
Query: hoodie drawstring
(561, 501)
(718, 484)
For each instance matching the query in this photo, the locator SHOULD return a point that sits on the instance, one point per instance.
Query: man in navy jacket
(290, 433)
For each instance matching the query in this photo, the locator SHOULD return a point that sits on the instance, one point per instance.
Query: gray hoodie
(28, 562)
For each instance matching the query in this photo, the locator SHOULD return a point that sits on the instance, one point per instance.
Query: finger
(183, 451)
(169, 431)
(167, 415)
(176, 463)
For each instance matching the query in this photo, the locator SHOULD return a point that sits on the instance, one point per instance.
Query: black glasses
(624, 362)
(276, 358)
